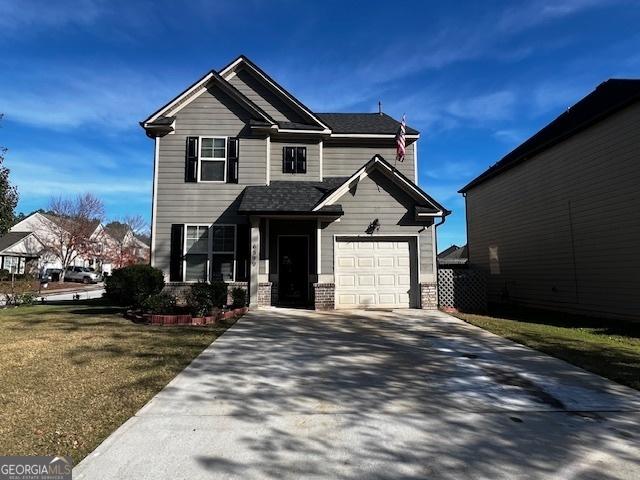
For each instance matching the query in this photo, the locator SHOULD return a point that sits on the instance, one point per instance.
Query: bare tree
(122, 247)
(70, 227)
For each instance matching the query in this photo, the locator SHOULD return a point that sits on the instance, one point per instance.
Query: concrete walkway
(288, 394)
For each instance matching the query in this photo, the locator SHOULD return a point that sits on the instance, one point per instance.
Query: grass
(71, 374)
(610, 348)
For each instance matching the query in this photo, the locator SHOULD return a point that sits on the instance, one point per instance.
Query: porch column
(254, 264)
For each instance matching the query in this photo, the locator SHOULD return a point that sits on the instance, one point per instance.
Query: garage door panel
(373, 273)
(366, 262)
(346, 280)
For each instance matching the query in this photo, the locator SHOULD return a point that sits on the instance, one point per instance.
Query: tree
(121, 246)
(8, 195)
(70, 228)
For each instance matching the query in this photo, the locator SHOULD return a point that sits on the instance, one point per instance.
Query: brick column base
(324, 296)
(264, 294)
(429, 296)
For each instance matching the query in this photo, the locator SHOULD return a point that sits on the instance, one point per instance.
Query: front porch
(284, 263)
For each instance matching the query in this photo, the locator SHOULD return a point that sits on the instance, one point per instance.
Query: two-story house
(253, 188)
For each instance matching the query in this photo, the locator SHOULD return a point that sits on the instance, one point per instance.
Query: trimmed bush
(202, 298)
(161, 303)
(239, 297)
(131, 286)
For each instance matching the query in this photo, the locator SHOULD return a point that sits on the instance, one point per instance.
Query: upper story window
(294, 160)
(213, 159)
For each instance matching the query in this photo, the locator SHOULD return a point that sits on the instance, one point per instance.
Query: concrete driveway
(288, 394)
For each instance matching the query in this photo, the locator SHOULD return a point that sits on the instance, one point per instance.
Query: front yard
(71, 374)
(610, 348)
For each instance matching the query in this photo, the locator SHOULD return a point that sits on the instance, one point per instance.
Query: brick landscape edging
(166, 320)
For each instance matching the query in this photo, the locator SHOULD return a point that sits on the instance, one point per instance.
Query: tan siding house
(557, 224)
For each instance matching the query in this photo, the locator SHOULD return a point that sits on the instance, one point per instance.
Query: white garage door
(372, 273)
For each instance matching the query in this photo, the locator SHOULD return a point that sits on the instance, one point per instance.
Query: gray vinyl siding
(566, 223)
(264, 98)
(313, 160)
(341, 158)
(383, 200)
(214, 114)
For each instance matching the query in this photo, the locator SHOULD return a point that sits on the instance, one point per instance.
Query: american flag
(400, 141)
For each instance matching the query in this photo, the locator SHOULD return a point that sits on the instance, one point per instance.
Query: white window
(196, 248)
(13, 265)
(212, 159)
(223, 252)
(209, 249)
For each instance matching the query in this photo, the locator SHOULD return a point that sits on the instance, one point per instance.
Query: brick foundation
(264, 294)
(429, 296)
(324, 296)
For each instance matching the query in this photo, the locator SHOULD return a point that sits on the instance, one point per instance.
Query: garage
(375, 272)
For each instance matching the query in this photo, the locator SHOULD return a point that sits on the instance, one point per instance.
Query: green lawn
(71, 374)
(610, 348)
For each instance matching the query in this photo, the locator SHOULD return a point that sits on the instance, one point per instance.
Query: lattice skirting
(462, 290)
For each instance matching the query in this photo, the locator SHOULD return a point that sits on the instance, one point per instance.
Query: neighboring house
(20, 252)
(46, 227)
(545, 222)
(121, 247)
(453, 257)
(253, 188)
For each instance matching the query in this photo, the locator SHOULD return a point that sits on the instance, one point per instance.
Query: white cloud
(485, 107)
(108, 97)
(24, 16)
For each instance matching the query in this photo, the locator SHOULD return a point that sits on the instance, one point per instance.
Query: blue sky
(476, 78)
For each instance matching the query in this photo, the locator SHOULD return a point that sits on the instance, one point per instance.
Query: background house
(453, 257)
(543, 221)
(20, 252)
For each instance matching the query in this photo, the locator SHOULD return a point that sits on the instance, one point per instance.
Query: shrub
(202, 298)
(239, 297)
(132, 285)
(27, 298)
(161, 303)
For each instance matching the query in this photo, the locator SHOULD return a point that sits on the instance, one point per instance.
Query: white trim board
(362, 173)
(154, 201)
(248, 64)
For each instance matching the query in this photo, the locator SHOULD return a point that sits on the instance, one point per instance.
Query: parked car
(82, 274)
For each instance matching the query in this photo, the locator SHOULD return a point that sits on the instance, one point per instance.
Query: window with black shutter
(294, 160)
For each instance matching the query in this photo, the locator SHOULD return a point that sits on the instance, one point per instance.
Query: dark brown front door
(293, 270)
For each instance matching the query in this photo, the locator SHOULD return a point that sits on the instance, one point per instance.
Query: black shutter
(191, 164)
(301, 160)
(175, 263)
(232, 160)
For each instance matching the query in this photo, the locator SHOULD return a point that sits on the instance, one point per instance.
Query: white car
(82, 274)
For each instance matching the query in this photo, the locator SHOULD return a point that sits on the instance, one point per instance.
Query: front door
(293, 269)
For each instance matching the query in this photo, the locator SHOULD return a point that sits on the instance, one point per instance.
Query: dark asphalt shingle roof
(454, 255)
(289, 196)
(11, 238)
(606, 99)
(363, 123)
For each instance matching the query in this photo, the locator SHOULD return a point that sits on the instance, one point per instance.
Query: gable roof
(9, 239)
(289, 197)
(166, 114)
(363, 123)
(608, 98)
(162, 121)
(243, 62)
(378, 162)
